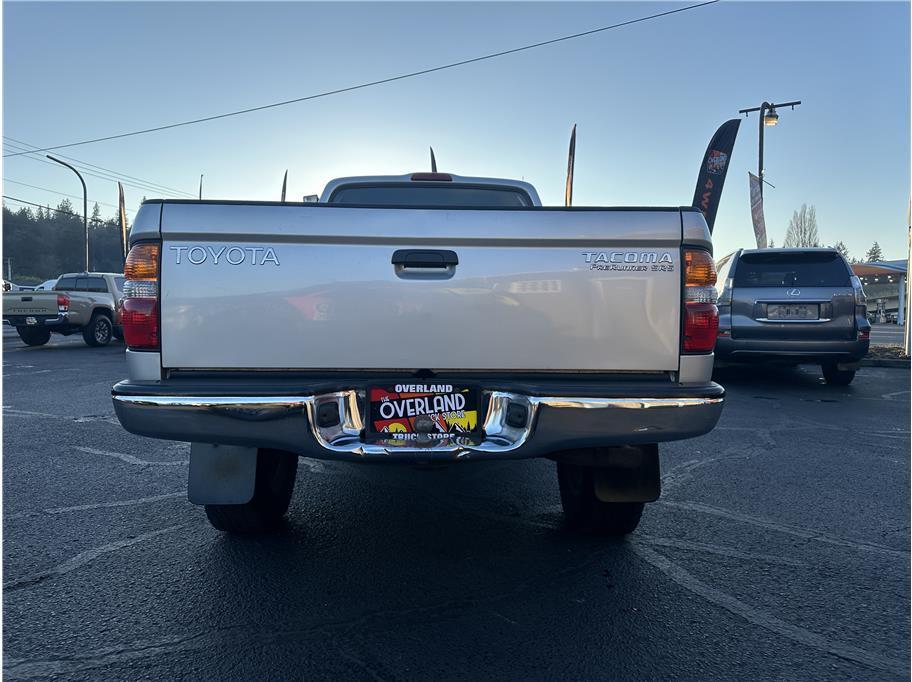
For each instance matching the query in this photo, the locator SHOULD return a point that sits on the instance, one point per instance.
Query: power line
(106, 173)
(102, 177)
(360, 86)
(71, 196)
(90, 173)
(48, 208)
(85, 164)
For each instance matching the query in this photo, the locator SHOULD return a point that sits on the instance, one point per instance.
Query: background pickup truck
(419, 318)
(87, 303)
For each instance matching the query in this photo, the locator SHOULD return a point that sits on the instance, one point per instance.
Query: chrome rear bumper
(290, 423)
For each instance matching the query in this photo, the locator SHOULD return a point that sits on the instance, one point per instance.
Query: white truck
(416, 319)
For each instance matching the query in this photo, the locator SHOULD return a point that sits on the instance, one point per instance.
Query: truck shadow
(417, 563)
(769, 376)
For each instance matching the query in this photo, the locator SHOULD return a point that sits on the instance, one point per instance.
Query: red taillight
(139, 317)
(701, 316)
(701, 325)
(139, 310)
(864, 335)
(63, 303)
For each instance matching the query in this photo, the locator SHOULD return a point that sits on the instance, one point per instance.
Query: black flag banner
(714, 169)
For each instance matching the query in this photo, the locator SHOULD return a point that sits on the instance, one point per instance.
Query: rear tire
(34, 336)
(99, 331)
(275, 479)
(837, 377)
(582, 508)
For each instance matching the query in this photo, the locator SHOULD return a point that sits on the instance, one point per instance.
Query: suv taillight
(701, 316)
(139, 310)
(63, 303)
(861, 301)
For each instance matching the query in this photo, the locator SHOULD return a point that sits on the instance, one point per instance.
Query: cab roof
(425, 178)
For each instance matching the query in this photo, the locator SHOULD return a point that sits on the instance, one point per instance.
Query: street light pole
(768, 117)
(85, 207)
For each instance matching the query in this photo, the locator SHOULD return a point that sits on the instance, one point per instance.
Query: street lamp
(768, 117)
(85, 207)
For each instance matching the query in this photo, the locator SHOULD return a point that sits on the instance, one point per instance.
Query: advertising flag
(122, 215)
(571, 160)
(757, 210)
(714, 169)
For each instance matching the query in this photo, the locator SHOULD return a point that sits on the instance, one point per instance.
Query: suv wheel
(34, 336)
(275, 479)
(837, 377)
(99, 331)
(584, 510)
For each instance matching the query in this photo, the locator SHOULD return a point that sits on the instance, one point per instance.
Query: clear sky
(646, 99)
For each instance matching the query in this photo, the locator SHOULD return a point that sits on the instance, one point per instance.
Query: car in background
(46, 285)
(792, 306)
(80, 302)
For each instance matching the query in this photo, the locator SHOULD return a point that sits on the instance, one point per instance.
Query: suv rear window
(439, 194)
(791, 270)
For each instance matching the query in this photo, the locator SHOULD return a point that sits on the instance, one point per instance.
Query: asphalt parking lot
(779, 550)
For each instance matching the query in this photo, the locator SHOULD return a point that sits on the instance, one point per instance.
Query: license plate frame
(415, 416)
(793, 312)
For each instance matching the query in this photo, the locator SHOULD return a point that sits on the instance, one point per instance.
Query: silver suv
(792, 306)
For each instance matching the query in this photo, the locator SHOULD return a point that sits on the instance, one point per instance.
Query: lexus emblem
(793, 292)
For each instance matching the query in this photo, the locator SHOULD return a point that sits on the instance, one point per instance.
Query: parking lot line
(765, 620)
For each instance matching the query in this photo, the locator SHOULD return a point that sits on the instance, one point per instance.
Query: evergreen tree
(44, 242)
(843, 249)
(874, 254)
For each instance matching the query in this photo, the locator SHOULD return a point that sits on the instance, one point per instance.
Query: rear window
(431, 195)
(96, 285)
(66, 284)
(791, 270)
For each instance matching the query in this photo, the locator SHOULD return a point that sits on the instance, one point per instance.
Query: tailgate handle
(26, 298)
(424, 258)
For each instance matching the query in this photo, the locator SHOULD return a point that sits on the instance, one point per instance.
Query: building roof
(880, 268)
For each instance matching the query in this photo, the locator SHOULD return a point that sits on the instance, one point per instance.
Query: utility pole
(768, 117)
(9, 269)
(85, 207)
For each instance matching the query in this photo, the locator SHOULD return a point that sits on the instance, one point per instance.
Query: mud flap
(628, 473)
(221, 474)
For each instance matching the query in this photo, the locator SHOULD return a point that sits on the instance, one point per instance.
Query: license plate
(31, 321)
(425, 411)
(793, 311)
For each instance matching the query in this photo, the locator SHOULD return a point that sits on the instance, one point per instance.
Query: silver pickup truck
(426, 318)
(86, 303)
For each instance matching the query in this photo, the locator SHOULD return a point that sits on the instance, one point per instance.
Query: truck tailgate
(270, 286)
(31, 303)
